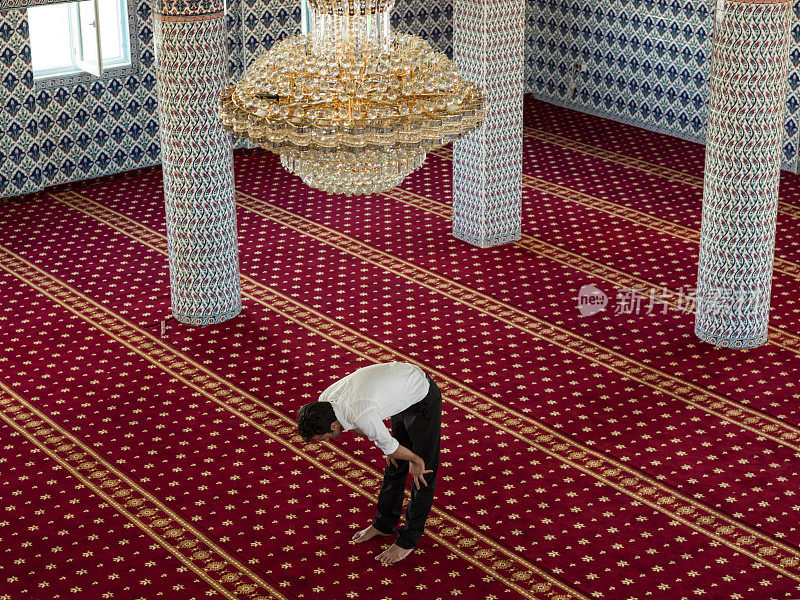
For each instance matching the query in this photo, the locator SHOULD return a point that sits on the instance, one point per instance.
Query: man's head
(317, 421)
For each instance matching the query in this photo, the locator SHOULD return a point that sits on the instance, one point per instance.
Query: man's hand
(417, 470)
(416, 465)
(390, 460)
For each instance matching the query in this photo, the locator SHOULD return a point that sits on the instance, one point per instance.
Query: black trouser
(418, 428)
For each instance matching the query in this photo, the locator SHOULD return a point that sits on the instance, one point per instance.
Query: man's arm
(416, 465)
(373, 427)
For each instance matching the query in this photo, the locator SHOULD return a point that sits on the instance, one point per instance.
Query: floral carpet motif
(585, 453)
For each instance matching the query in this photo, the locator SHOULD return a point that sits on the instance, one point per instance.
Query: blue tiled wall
(643, 62)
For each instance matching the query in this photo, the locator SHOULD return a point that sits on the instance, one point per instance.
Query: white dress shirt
(371, 394)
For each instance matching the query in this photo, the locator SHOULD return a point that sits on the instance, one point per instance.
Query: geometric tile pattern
(234, 42)
(639, 62)
(431, 20)
(197, 163)
(742, 171)
(21, 152)
(487, 164)
(265, 22)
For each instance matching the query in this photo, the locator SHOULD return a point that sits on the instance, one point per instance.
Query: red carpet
(611, 456)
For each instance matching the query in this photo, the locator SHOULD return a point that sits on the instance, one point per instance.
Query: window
(65, 37)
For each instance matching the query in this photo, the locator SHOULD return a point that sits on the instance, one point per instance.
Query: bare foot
(367, 534)
(393, 554)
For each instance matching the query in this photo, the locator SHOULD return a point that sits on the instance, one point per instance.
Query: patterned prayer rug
(591, 449)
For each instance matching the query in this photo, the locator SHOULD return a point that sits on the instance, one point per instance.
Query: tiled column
(191, 72)
(746, 106)
(487, 164)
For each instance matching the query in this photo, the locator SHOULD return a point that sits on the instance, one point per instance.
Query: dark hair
(315, 418)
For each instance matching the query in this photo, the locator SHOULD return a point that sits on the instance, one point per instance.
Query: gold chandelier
(350, 107)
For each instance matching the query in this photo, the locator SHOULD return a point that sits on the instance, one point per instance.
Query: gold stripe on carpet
(176, 535)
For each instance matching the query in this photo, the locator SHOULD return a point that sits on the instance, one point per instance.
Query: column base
(729, 342)
(207, 319)
(487, 242)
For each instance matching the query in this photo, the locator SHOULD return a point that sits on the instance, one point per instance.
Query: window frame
(55, 75)
(124, 31)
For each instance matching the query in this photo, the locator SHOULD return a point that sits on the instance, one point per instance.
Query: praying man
(360, 402)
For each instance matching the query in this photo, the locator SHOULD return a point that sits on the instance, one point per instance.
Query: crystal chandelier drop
(351, 107)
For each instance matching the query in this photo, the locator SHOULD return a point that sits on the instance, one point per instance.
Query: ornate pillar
(747, 99)
(487, 164)
(197, 161)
